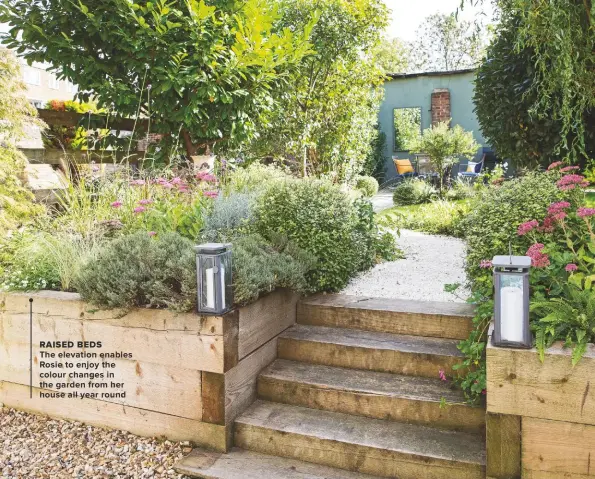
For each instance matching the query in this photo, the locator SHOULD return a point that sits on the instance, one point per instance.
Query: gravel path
(430, 263)
(38, 447)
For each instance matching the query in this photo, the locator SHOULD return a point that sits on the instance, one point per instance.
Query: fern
(570, 318)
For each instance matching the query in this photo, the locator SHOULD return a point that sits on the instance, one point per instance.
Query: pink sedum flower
(569, 168)
(145, 202)
(176, 181)
(485, 263)
(137, 182)
(554, 165)
(585, 212)
(211, 194)
(116, 204)
(524, 228)
(441, 375)
(570, 182)
(557, 207)
(538, 258)
(139, 209)
(206, 176)
(152, 233)
(571, 267)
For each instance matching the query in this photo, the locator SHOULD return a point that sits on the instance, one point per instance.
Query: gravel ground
(430, 263)
(38, 447)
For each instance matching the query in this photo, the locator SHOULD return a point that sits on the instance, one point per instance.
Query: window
(31, 76)
(53, 82)
(407, 127)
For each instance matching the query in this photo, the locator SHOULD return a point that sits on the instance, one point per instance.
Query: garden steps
(372, 394)
(244, 464)
(354, 443)
(369, 350)
(398, 316)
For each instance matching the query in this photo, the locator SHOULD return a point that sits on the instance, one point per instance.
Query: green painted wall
(416, 91)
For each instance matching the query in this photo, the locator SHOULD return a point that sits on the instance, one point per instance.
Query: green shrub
(413, 192)
(140, 270)
(319, 218)
(229, 216)
(368, 185)
(461, 190)
(261, 267)
(498, 212)
(253, 178)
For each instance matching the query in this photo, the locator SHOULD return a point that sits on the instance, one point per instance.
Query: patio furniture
(472, 169)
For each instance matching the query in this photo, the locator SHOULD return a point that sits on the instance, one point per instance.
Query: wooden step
(354, 443)
(409, 399)
(373, 351)
(242, 464)
(398, 316)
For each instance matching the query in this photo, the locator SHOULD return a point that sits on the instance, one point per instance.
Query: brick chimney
(440, 105)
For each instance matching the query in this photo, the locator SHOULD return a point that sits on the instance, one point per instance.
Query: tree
(204, 72)
(444, 43)
(326, 115)
(543, 59)
(392, 55)
(16, 201)
(444, 146)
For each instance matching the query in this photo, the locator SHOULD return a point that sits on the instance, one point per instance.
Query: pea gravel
(430, 262)
(38, 447)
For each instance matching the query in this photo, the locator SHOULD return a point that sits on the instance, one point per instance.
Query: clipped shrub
(368, 185)
(492, 224)
(321, 219)
(260, 267)
(140, 270)
(229, 216)
(413, 192)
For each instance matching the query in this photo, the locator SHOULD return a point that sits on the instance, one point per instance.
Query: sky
(407, 15)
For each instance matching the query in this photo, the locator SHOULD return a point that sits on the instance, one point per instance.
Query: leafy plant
(570, 317)
(261, 267)
(444, 146)
(412, 191)
(202, 73)
(140, 270)
(367, 185)
(230, 217)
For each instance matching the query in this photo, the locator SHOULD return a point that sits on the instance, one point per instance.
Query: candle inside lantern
(210, 278)
(511, 307)
(222, 286)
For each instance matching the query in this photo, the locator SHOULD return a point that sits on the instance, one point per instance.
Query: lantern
(213, 264)
(511, 302)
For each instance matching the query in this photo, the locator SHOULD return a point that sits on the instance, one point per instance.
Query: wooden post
(503, 446)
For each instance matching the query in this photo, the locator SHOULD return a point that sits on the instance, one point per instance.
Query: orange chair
(404, 168)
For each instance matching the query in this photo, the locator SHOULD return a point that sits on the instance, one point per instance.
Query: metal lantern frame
(505, 268)
(214, 278)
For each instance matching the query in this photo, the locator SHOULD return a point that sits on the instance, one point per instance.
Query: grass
(436, 217)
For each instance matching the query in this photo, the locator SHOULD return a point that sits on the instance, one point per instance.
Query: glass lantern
(213, 265)
(511, 302)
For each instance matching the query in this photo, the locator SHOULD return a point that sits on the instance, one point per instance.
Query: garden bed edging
(189, 376)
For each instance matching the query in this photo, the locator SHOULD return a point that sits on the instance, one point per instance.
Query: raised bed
(545, 411)
(189, 375)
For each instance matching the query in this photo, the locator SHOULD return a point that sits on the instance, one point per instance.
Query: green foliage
(138, 270)
(230, 216)
(498, 211)
(534, 92)
(461, 190)
(325, 120)
(205, 72)
(445, 43)
(261, 267)
(368, 185)
(318, 217)
(375, 163)
(570, 317)
(392, 55)
(16, 201)
(437, 217)
(407, 128)
(444, 146)
(253, 178)
(412, 191)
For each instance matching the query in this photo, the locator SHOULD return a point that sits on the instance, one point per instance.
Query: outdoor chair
(405, 168)
(472, 169)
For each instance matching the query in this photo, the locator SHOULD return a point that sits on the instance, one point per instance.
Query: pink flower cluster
(176, 182)
(116, 204)
(571, 267)
(539, 259)
(569, 168)
(145, 202)
(485, 263)
(570, 182)
(555, 164)
(211, 194)
(137, 182)
(206, 176)
(525, 228)
(442, 375)
(558, 207)
(585, 212)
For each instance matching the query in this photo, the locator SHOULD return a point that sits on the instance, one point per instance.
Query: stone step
(398, 316)
(373, 351)
(378, 395)
(354, 443)
(242, 464)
